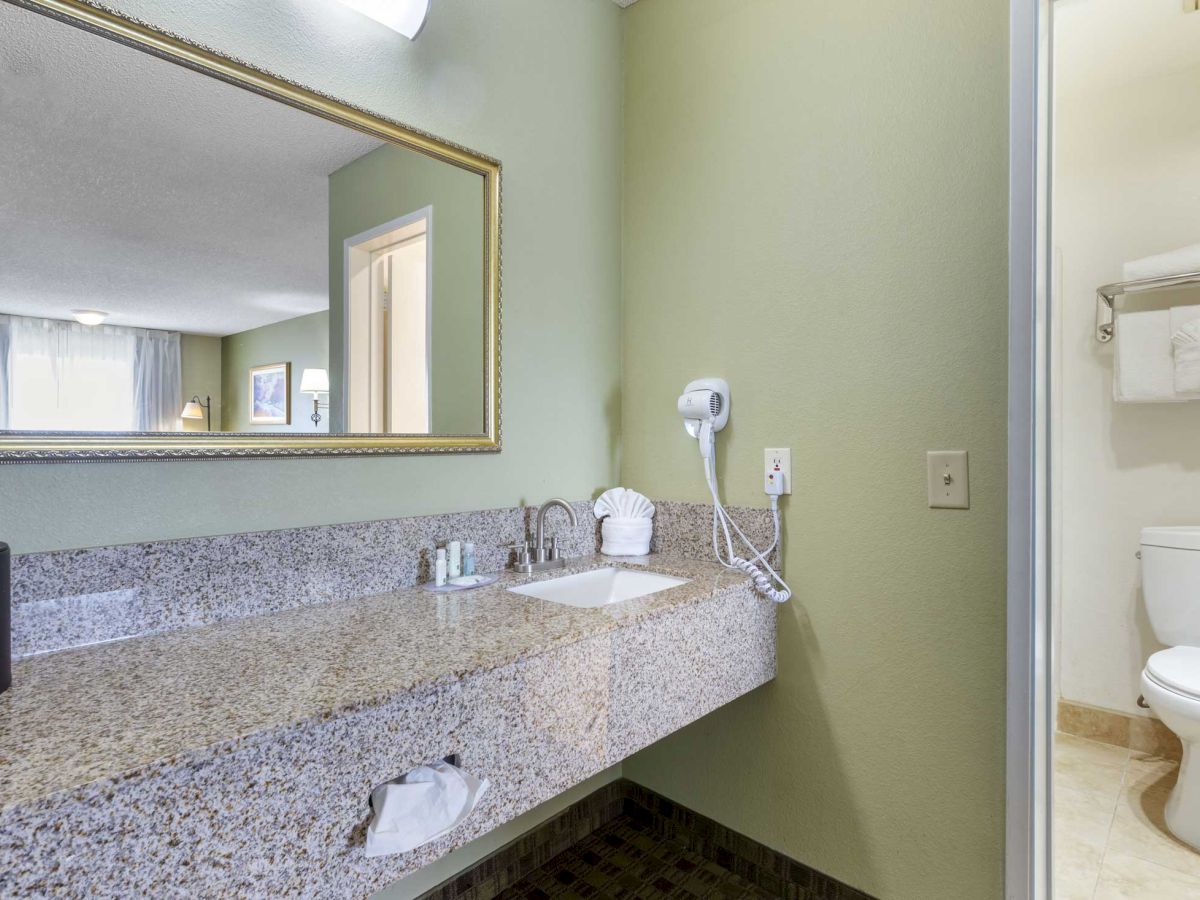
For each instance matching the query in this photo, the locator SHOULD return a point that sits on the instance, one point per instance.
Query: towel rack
(1106, 297)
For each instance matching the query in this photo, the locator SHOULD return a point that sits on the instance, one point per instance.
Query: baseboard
(1140, 733)
(763, 867)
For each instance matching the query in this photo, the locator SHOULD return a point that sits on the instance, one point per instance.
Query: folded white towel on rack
(1187, 359)
(1175, 262)
(1143, 365)
(1181, 315)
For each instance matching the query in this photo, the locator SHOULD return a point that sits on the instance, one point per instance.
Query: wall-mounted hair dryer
(704, 405)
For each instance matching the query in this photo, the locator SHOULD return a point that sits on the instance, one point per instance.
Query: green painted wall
(535, 83)
(814, 208)
(382, 186)
(200, 374)
(302, 341)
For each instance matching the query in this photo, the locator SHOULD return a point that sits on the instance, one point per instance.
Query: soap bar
(470, 580)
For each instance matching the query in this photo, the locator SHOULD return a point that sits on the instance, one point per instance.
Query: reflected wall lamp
(405, 16)
(315, 382)
(194, 409)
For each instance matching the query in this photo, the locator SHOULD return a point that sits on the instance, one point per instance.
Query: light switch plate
(949, 487)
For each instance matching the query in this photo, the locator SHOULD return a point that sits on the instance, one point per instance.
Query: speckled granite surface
(235, 760)
(72, 598)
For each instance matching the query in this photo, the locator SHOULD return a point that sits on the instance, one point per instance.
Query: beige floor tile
(1083, 820)
(1138, 829)
(1076, 867)
(1125, 877)
(1076, 780)
(1150, 773)
(1071, 751)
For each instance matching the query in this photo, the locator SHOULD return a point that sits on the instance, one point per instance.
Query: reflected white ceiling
(170, 199)
(1102, 44)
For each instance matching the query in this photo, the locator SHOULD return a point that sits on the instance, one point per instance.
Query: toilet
(1171, 679)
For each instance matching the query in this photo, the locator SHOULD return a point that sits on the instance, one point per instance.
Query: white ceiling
(1102, 44)
(170, 199)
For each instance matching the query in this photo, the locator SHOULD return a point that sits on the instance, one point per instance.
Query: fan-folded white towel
(419, 806)
(1183, 261)
(1187, 359)
(1143, 368)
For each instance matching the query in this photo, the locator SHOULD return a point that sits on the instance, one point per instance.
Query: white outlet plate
(777, 461)
(949, 487)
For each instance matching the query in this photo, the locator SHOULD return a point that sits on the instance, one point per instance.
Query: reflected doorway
(389, 295)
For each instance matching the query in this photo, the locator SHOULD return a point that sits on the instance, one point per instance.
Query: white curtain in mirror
(157, 380)
(63, 376)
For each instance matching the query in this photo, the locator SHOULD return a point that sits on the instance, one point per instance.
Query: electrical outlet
(948, 484)
(777, 463)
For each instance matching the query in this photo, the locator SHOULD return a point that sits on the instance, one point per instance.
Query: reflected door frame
(366, 319)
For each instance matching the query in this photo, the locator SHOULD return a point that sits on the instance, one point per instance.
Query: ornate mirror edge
(42, 447)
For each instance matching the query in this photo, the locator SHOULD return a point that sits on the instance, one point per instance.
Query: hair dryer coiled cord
(769, 583)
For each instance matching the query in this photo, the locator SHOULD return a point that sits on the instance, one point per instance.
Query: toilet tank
(1171, 583)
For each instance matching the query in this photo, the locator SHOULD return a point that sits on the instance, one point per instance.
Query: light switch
(948, 485)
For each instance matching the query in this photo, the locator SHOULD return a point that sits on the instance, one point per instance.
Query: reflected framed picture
(271, 394)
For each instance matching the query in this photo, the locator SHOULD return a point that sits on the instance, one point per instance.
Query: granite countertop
(107, 710)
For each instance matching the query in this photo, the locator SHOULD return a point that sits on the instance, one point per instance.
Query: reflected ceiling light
(405, 16)
(89, 316)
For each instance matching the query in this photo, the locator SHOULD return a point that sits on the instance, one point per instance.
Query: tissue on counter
(420, 806)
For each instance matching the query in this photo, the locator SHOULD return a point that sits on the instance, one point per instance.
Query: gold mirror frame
(18, 447)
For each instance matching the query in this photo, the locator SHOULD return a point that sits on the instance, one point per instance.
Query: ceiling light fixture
(89, 316)
(405, 16)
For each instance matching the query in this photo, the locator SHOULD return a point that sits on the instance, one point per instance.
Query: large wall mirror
(200, 259)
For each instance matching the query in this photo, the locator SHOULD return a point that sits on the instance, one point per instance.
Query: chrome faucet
(543, 557)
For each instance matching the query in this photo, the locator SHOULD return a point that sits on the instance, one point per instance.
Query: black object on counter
(5, 620)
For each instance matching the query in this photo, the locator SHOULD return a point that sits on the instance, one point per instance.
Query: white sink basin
(599, 587)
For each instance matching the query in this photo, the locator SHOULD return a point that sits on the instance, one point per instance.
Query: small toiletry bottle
(439, 568)
(455, 559)
(468, 558)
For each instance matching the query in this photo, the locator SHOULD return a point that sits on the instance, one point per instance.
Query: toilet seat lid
(1173, 537)
(1177, 669)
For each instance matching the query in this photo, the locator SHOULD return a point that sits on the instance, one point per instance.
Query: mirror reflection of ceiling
(236, 239)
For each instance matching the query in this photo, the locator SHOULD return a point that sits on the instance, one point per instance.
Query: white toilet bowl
(1171, 685)
(1171, 679)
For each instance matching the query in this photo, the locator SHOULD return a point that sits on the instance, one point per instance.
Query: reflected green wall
(382, 186)
(535, 83)
(200, 375)
(302, 341)
(815, 203)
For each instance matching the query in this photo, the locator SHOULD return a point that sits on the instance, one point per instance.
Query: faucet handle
(522, 551)
(554, 551)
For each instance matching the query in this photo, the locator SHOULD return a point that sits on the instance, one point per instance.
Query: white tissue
(622, 503)
(421, 805)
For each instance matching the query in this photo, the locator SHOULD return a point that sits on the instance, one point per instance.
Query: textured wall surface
(535, 83)
(302, 341)
(815, 200)
(200, 365)
(383, 186)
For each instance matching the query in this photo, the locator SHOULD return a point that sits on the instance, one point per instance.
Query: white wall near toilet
(1126, 185)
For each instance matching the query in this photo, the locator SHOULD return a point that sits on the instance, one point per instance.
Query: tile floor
(625, 860)
(1109, 837)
